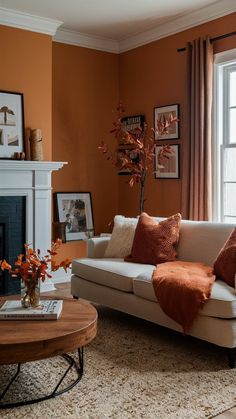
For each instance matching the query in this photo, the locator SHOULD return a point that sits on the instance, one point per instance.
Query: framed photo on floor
(75, 210)
(11, 124)
(170, 169)
(163, 113)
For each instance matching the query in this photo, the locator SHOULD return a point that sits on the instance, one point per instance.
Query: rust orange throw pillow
(225, 264)
(154, 241)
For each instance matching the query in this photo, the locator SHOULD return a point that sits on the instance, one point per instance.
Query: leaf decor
(137, 149)
(31, 266)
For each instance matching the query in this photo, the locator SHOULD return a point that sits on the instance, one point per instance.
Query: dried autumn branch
(134, 151)
(32, 266)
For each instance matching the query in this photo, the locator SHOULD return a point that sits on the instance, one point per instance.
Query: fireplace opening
(12, 238)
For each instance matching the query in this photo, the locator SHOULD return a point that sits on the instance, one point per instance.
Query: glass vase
(30, 294)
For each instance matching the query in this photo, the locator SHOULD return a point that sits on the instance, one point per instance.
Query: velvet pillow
(122, 237)
(225, 264)
(154, 241)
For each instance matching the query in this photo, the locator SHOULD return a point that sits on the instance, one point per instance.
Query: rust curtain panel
(197, 172)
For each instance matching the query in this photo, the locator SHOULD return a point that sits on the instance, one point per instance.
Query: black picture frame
(130, 123)
(171, 169)
(164, 112)
(75, 210)
(12, 126)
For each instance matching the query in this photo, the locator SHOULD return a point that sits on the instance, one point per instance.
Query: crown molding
(182, 23)
(66, 36)
(16, 19)
(33, 23)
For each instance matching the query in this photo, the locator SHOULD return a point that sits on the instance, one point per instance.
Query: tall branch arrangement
(138, 152)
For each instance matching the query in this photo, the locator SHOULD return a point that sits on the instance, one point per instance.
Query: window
(225, 138)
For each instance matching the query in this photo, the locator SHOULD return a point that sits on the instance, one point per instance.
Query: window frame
(225, 64)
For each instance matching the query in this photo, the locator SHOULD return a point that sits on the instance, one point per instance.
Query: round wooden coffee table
(31, 340)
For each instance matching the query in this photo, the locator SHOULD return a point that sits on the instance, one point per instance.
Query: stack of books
(48, 310)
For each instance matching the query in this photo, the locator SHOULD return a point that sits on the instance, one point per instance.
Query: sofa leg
(75, 298)
(231, 357)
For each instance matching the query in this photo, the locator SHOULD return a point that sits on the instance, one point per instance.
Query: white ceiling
(115, 20)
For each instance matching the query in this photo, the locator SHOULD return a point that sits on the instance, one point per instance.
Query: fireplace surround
(32, 180)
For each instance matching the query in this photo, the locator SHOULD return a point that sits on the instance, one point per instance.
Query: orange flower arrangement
(31, 267)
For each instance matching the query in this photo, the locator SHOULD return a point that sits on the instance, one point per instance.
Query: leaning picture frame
(75, 210)
(168, 168)
(12, 139)
(162, 113)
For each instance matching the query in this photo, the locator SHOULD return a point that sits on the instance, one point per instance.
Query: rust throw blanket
(182, 288)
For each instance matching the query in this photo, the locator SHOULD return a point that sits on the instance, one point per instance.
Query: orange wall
(74, 91)
(155, 75)
(85, 92)
(26, 67)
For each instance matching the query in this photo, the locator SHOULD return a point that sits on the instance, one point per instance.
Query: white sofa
(127, 286)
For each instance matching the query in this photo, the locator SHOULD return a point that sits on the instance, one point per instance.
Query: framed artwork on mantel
(11, 124)
(75, 210)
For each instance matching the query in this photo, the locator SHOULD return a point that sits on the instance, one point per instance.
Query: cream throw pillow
(122, 237)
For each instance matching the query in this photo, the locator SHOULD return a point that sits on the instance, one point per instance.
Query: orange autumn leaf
(5, 265)
(32, 266)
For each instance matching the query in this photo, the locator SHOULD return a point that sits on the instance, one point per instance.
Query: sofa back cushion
(225, 263)
(201, 241)
(154, 242)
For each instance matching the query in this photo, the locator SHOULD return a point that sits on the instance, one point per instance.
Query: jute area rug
(133, 369)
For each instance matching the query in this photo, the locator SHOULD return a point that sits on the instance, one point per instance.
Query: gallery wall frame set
(75, 210)
(130, 123)
(12, 128)
(162, 113)
(170, 169)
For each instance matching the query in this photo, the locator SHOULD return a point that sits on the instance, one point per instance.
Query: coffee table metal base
(77, 365)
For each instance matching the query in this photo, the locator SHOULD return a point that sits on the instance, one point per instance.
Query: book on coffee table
(48, 310)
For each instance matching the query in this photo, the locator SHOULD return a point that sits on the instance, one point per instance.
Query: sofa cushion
(201, 241)
(222, 302)
(154, 241)
(122, 237)
(114, 273)
(225, 263)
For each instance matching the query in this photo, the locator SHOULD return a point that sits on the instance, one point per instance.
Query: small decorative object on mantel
(19, 156)
(36, 147)
(31, 268)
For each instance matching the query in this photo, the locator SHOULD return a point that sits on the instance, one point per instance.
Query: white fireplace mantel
(26, 165)
(32, 179)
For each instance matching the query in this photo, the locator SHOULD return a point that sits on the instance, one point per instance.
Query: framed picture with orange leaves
(167, 167)
(162, 114)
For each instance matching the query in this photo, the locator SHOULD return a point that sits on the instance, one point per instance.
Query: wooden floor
(63, 291)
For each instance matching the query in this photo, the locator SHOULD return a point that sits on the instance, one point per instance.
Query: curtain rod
(226, 35)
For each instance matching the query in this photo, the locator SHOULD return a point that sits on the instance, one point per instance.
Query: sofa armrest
(96, 246)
